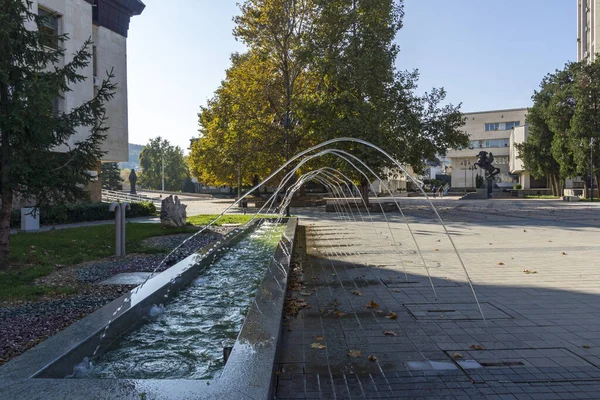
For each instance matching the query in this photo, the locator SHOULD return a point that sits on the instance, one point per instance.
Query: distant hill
(134, 157)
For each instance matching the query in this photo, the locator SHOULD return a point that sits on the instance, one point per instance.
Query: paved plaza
(373, 327)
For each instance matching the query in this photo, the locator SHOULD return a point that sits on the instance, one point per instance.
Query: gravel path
(25, 324)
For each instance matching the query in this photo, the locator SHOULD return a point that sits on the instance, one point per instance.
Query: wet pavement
(375, 327)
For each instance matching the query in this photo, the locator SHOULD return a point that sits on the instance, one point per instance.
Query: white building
(107, 23)
(588, 28)
(489, 131)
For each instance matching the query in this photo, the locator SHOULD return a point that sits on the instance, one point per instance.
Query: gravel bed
(25, 324)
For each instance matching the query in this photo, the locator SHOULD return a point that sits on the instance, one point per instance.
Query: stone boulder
(172, 212)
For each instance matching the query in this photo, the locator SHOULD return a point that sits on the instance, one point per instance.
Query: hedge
(84, 212)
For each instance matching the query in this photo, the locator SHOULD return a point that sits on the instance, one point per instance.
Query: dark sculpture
(132, 181)
(484, 161)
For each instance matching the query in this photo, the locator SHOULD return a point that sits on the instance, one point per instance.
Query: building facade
(588, 28)
(107, 23)
(488, 131)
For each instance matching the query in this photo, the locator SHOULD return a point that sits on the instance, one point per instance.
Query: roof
(495, 111)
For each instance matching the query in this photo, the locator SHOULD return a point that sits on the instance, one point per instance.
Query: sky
(487, 54)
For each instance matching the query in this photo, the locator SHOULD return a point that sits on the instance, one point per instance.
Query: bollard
(124, 208)
(116, 207)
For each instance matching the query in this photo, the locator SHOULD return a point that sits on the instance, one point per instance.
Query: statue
(132, 181)
(484, 161)
(172, 212)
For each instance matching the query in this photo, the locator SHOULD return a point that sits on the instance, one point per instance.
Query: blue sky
(487, 54)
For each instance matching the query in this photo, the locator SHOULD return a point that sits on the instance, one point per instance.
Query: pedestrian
(434, 190)
(441, 192)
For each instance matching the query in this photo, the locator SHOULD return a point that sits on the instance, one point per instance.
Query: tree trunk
(239, 180)
(364, 191)
(7, 192)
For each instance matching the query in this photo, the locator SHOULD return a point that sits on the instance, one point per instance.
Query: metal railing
(108, 196)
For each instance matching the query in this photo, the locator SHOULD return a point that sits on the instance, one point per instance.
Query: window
(514, 124)
(494, 126)
(49, 27)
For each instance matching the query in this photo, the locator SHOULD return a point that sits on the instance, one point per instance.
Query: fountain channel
(186, 337)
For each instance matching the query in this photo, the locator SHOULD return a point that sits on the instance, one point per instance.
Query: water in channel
(186, 338)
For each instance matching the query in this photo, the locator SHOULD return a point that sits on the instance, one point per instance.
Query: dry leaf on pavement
(318, 346)
(391, 315)
(354, 353)
(372, 304)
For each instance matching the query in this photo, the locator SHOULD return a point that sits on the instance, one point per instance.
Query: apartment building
(107, 23)
(588, 28)
(489, 131)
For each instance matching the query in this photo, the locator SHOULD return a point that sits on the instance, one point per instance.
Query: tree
(549, 120)
(321, 69)
(564, 125)
(111, 177)
(151, 162)
(31, 130)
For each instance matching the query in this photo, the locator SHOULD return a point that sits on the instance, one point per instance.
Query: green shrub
(517, 186)
(82, 212)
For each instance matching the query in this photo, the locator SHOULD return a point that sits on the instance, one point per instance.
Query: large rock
(172, 212)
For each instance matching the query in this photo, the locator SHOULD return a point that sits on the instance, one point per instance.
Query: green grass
(34, 255)
(205, 219)
(543, 196)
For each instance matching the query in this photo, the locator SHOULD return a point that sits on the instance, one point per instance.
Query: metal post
(592, 169)
(124, 207)
(163, 169)
(118, 230)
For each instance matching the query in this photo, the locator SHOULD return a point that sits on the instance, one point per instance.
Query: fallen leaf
(474, 347)
(319, 338)
(586, 346)
(456, 356)
(379, 311)
(396, 290)
(340, 313)
(439, 240)
(528, 271)
(357, 293)
(550, 241)
(354, 353)
(500, 263)
(372, 304)
(563, 253)
(390, 333)
(490, 244)
(524, 230)
(436, 249)
(391, 315)
(372, 358)
(318, 346)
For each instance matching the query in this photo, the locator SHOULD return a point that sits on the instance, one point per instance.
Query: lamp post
(592, 169)
(162, 158)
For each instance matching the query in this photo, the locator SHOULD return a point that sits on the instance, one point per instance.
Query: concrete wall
(111, 52)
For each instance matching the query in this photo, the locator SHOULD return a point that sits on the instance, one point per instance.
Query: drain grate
(525, 365)
(455, 311)
(424, 282)
(502, 364)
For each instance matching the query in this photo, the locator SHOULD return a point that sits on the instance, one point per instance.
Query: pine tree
(111, 177)
(39, 161)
